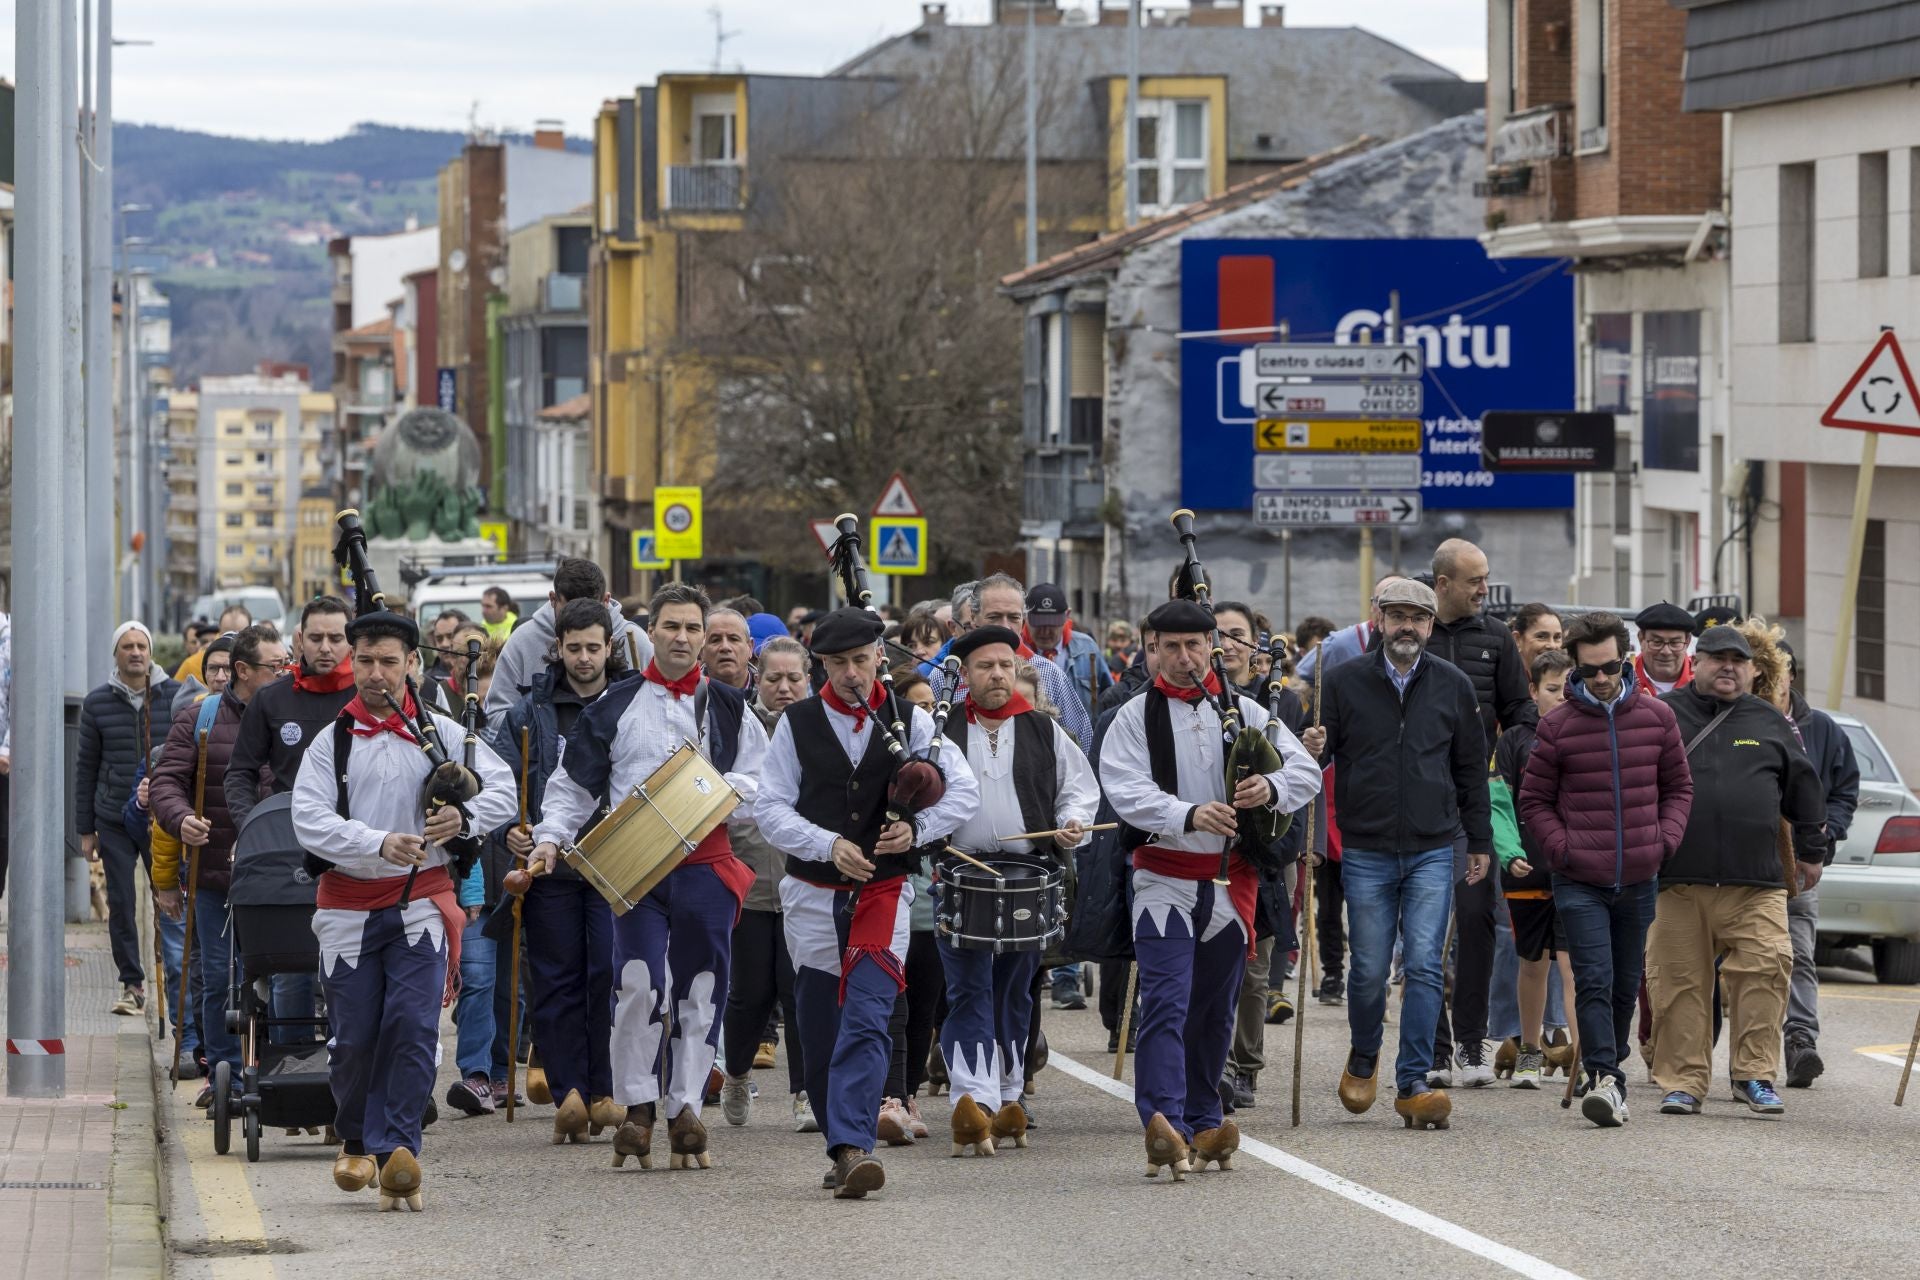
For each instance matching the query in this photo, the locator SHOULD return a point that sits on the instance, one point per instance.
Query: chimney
(549, 135)
(933, 15)
(1273, 15)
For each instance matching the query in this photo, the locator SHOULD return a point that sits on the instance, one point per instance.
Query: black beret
(1665, 617)
(847, 629)
(385, 622)
(981, 637)
(1180, 616)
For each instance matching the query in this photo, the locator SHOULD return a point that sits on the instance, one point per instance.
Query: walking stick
(1573, 1068)
(1306, 930)
(1126, 1017)
(193, 886)
(1900, 1096)
(513, 979)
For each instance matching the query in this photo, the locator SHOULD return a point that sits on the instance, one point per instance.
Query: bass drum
(1021, 909)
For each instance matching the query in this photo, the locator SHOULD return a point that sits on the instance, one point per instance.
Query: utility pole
(1133, 111)
(72, 325)
(36, 903)
(1033, 144)
(101, 539)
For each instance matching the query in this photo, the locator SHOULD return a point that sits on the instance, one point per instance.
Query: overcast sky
(304, 69)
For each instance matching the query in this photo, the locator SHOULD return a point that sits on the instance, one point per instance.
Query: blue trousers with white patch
(677, 941)
(385, 979)
(1191, 947)
(989, 1015)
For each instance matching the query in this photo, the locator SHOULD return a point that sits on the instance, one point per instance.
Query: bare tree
(855, 325)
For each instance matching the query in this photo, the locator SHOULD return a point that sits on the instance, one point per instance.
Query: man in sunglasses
(1724, 891)
(1605, 799)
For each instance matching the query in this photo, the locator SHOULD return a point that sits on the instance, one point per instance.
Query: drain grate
(53, 1186)
(242, 1248)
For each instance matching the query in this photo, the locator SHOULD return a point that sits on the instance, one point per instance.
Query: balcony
(1530, 173)
(1532, 135)
(561, 291)
(706, 188)
(1064, 484)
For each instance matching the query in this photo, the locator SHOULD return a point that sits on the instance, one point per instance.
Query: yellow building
(246, 450)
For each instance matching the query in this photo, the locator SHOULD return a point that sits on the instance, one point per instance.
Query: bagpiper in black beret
(1180, 617)
(981, 637)
(847, 629)
(1665, 617)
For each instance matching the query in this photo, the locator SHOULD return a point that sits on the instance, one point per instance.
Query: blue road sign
(1495, 333)
(899, 544)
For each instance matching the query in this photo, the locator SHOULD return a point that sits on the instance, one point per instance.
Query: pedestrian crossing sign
(643, 553)
(899, 544)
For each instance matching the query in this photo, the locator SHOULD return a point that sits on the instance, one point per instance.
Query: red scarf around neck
(336, 680)
(831, 696)
(1189, 692)
(1016, 705)
(367, 725)
(681, 688)
(1066, 635)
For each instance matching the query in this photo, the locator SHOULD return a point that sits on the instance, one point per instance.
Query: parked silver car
(1871, 893)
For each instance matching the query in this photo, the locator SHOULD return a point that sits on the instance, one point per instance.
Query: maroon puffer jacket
(170, 799)
(1607, 797)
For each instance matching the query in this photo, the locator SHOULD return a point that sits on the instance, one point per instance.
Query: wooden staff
(1573, 1068)
(969, 858)
(1913, 1046)
(1126, 1017)
(193, 884)
(1306, 927)
(513, 978)
(1048, 835)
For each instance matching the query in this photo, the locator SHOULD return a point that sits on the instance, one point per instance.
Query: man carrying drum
(824, 803)
(1032, 778)
(1161, 764)
(682, 930)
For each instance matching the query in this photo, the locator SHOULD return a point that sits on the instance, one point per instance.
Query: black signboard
(1544, 443)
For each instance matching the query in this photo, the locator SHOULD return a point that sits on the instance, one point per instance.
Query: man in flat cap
(1724, 890)
(1163, 764)
(824, 803)
(1662, 665)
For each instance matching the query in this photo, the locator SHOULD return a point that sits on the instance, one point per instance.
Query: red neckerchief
(831, 696)
(1015, 706)
(1066, 635)
(341, 677)
(366, 726)
(1189, 692)
(680, 688)
(1645, 682)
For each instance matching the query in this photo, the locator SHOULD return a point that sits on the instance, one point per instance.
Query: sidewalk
(73, 1165)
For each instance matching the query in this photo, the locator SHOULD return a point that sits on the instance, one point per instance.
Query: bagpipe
(449, 782)
(1246, 750)
(917, 784)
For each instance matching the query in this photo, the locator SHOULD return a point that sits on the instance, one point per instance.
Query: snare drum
(652, 831)
(1024, 911)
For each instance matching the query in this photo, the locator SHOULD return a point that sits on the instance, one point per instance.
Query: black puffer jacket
(1484, 649)
(1748, 774)
(111, 751)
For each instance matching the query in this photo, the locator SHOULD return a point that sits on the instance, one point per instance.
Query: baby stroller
(270, 911)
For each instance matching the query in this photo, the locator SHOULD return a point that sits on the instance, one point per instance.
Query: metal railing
(1537, 134)
(716, 188)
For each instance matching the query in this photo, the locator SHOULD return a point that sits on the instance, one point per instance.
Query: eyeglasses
(1677, 643)
(1588, 670)
(1396, 618)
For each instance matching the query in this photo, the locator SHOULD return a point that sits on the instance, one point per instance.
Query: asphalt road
(1517, 1185)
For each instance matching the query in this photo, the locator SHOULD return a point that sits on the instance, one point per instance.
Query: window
(235, 519)
(1796, 253)
(262, 459)
(1590, 83)
(1504, 71)
(1670, 390)
(1870, 617)
(1873, 215)
(235, 490)
(233, 459)
(235, 428)
(1612, 353)
(715, 136)
(779, 285)
(263, 519)
(263, 426)
(234, 550)
(264, 489)
(1171, 153)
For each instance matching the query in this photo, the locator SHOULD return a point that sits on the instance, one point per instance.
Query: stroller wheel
(220, 1107)
(251, 1121)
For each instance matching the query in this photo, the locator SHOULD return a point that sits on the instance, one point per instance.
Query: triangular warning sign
(826, 533)
(899, 548)
(1880, 396)
(896, 499)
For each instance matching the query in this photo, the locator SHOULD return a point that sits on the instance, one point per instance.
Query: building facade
(369, 280)
(544, 333)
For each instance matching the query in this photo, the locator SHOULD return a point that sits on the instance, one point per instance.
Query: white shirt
(653, 726)
(792, 834)
(1126, 772)
(385, 775)
(1076, 798)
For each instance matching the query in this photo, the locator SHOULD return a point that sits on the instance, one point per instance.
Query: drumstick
(1038, 835)
(967, 857)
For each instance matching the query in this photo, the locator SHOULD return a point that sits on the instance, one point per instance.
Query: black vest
(1162, 764)
(848, 799)
(1036, 771)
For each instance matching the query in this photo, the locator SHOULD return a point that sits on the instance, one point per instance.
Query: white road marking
(1366, 1197)
(1887, 1058)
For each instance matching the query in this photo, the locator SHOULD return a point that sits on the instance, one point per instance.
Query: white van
(460, 588)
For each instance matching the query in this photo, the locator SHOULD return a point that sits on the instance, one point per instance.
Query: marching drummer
(824, 802)
(1032, 778)
(1162, 766)
(357, 805)
(681, 932)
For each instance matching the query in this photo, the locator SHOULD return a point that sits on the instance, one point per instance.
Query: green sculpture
(425, 480)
